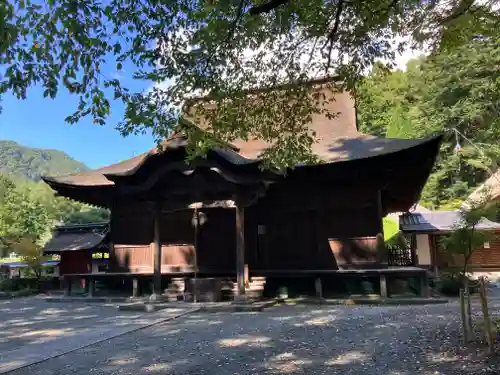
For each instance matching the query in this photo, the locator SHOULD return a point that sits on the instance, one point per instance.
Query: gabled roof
(77, 237)
(438, 221)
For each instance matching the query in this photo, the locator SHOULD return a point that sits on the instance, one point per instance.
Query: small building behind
(82, 248)
(426, 229)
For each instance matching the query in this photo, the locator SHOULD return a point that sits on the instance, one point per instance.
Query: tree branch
(332, 35)
(266, 7)
(466, 7)
(234, 26)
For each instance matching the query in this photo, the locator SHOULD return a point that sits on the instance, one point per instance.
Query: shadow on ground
(31, 320)
(290, 340)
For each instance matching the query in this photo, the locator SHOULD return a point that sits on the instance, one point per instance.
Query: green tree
(29, 210)
(458, 96)
(454, 92)
(31, 253)
(463, 240)
(217, 48)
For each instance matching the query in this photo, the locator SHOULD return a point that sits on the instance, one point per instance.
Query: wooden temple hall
(222, 219)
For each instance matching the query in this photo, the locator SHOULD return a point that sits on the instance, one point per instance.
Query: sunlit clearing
(318, 321)
(283, 318)
(389, 325)
(53, 311)
(164, 366)
(10, 365)
(46, 332)
(21, 324)
(246, 340)
(80, 309)
(195, 321)
(123, 361)
(214, 322)
(173, 332)
(26, 308)
(322, 311)
(79, 317)
(287, 362)
(347, 358)
(441, 357)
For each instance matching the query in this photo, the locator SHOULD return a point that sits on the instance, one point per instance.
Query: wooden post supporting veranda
(156, 254)
(196, 235)
(240, 249)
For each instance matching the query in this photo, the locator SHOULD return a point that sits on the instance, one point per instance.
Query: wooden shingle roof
(77, 237)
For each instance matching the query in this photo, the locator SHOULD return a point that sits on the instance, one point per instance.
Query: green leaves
(29, 210)
(185, 49)
(452, 90)
(465, 236)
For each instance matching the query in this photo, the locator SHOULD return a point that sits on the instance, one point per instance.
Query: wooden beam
(185, 173)
(240, 248)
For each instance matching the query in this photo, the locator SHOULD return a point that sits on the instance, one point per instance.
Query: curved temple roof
(103, 176)
(330, 151)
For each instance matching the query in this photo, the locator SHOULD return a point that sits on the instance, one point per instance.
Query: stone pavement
(32, 330)
(302, 339)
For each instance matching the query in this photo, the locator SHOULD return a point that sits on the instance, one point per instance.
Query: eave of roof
(333, 151)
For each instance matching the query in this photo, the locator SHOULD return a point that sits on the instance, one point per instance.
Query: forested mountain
(455, 93)
(28, 207)
(32, 163)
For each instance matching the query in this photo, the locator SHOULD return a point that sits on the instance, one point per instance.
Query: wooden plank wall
(302, 228)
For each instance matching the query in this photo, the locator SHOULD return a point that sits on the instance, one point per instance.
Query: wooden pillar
(69, 283)
(380, 211)
(157, 253)
(319, 287)
(382, 255)
(424, 285)
(383, 286)
(240, 248)
(413, 249)
(91, 283)
(135, 287)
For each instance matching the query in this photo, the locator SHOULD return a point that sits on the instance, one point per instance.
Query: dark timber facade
(222, 216)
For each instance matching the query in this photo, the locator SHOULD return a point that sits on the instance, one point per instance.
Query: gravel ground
(32, 320)
(396, 340)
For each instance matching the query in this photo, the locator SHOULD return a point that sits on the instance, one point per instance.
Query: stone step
(256, 287)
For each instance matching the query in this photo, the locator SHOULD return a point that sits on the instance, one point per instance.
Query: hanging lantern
(457, 148)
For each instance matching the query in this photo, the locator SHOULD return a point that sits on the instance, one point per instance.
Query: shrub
(450, 284)
(14, 285)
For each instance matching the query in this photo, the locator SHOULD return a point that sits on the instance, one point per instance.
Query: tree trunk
(462, 315)
(468, 304)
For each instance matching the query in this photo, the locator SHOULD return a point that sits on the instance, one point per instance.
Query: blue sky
(39, 122)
